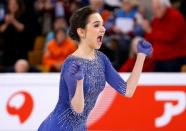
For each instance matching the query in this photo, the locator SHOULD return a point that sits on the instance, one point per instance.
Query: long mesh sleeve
(113, 78)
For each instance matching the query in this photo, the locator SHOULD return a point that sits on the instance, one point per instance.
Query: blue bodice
(96, 73)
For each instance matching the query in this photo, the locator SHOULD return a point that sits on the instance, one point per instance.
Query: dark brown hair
(79, 19)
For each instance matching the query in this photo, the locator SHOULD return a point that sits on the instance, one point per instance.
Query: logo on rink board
(20, 104)
(170, 110)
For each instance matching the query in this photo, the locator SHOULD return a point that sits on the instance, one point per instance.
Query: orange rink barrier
(159, 103)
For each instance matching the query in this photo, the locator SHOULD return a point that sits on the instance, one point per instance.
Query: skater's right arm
(74, 79)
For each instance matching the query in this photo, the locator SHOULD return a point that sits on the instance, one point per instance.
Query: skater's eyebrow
(96, 22)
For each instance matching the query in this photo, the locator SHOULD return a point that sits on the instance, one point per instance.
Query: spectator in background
(71, 6)
(113, 3)
(129, 64)
(59, 8)
(127, 18)
(12, 29)
(58, 49)
(33, 27)
(167, 32)
(21, 66)
(59, 22)
(99, 6)
(125, 23)
(46, 13)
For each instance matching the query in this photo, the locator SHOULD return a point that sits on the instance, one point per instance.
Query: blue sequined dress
(96, 73)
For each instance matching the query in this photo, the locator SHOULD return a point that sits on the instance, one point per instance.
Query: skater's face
(94, 31)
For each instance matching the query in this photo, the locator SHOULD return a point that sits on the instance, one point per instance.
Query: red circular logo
(24, 111)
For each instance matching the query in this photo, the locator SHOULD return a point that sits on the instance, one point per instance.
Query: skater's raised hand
(145, 47)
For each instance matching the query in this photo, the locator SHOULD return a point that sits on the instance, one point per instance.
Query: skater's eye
(96, 25)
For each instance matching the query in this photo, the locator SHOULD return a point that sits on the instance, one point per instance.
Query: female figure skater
(85, 72)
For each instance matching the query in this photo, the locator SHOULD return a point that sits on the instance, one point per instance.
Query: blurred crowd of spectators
(33, 33)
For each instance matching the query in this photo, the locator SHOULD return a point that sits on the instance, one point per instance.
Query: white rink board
(44, 89)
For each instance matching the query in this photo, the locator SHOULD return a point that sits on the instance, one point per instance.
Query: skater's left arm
(114, 79)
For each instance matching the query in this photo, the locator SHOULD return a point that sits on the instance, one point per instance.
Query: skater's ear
(81, 32)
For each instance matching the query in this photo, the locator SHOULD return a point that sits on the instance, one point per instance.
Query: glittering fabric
(96, 73)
